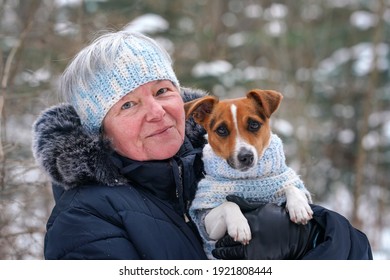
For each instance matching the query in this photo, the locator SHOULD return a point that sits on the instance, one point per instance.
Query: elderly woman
(125, 165)
(122, 167)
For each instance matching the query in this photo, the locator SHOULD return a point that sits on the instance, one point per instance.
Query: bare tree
(20, 228)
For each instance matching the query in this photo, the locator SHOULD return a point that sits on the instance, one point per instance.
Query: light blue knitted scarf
(262, 183)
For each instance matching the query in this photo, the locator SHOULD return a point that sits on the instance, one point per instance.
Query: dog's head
(238, 130)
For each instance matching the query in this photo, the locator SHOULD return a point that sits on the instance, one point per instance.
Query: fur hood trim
(73, 157)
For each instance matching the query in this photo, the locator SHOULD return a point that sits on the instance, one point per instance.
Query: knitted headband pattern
(136, 61)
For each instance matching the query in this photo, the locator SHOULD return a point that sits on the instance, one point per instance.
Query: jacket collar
(162, 178)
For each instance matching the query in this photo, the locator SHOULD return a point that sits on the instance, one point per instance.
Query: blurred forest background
(329, 58)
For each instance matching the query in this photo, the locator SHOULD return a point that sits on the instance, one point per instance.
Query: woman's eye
(127, 105)
(161, 91)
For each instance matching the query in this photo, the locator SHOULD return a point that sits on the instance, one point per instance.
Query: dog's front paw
(238, 228)
(300, 212)
(297, 205)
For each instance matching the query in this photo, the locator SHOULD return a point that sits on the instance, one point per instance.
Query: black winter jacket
(109, 207)
(341, 241)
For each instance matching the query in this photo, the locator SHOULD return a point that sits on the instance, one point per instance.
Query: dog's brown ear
(200, 108)
(269, 100)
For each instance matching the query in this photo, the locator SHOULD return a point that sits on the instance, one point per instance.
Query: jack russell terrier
(244, 158)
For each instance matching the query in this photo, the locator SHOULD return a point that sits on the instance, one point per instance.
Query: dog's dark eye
(253, 125)
(222, 131)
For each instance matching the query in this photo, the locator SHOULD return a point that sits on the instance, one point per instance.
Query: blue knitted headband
(136, 60)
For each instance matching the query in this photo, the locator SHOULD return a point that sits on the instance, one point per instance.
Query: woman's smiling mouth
(160, 131)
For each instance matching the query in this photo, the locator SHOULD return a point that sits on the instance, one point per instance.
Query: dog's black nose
(245, 158)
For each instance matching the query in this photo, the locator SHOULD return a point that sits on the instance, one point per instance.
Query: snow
(237, 39)
(276, 11)
(275, 28)
(346, 136)
(363, 20)
(283, 127)
(253, 11)
(148, 23)
(213, 68)
(365, 56)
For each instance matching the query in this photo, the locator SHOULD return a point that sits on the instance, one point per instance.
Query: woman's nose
(154, 110)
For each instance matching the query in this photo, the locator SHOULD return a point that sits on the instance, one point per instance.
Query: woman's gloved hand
(274, 236)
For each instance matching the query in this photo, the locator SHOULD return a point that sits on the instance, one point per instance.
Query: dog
(240, 147)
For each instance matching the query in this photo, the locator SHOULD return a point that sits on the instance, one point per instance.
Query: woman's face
(148, 123)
